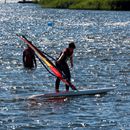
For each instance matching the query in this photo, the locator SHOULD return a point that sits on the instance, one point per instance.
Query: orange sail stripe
(57, 73)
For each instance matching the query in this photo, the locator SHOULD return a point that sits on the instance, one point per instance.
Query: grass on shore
(87, 4)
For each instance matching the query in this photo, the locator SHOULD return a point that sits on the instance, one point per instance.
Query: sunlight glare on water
(101, 59)
(9, 1)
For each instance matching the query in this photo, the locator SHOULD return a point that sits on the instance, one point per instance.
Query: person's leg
(66, 71)
(69, 79)
(57, 83)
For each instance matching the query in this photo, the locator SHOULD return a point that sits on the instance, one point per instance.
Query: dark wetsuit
(63, 67)
(29, 58)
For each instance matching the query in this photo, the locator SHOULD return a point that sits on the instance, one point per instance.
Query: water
(9, 1)
(101, 59)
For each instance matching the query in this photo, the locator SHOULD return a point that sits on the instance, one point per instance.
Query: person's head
(72, 45)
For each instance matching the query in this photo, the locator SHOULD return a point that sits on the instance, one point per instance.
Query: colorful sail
(52, 67)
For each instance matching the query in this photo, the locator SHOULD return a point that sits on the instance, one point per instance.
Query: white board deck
(72, 93)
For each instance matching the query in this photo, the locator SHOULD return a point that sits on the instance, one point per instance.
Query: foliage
(88, 4)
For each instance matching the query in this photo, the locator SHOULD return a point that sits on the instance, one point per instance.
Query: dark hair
(72, 45)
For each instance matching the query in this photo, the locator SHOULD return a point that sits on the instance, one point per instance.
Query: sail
(51, 66)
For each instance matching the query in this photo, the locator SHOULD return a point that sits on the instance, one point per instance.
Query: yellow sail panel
(43, 59)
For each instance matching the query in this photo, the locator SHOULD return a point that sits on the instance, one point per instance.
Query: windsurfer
(62, 65)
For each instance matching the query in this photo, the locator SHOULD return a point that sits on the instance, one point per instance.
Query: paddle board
(72, 93)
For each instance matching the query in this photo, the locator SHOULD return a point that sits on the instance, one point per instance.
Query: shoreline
(107, 5)
(35, 2)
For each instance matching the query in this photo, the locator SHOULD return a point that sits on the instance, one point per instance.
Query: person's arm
(61, 57)
(34, 58)
(35, 61)
(71, 61)
(24, 58)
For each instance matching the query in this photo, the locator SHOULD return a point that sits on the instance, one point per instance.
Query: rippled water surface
(101, 59)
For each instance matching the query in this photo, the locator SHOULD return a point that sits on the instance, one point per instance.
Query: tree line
(87, 4)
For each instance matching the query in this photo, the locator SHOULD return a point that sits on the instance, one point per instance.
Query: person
(61, 64)
(29, 60)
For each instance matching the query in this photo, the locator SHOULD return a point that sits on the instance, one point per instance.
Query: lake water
(9, 1)
(101, 59)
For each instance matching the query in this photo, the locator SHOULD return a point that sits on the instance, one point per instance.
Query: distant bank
(28, 1)
(87, 4)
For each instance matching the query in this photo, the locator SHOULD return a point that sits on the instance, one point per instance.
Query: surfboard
(72, 93)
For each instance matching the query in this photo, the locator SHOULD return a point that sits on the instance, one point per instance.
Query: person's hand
(57, 62)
